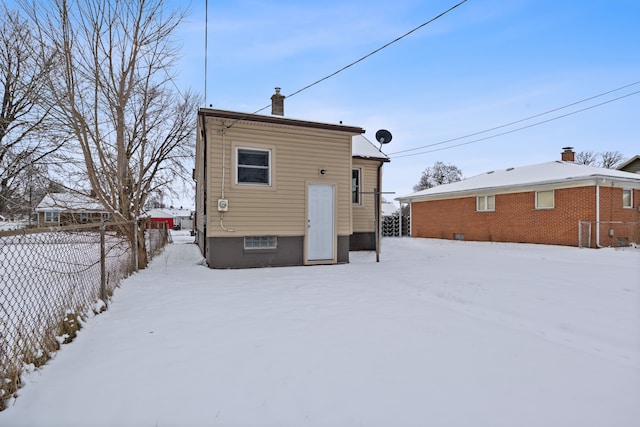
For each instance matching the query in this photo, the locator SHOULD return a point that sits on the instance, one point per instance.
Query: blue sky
(484, 64)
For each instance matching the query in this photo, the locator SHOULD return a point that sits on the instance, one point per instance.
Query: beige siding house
(367, 162)
(273, 191)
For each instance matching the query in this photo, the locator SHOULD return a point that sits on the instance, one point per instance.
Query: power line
(364, 57)
(378, 50)
(513, 130)
(523, 120)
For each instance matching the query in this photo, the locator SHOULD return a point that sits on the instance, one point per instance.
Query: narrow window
(627, 198)
(355, 186)
(260, 242)
(486, 203)
(544, 199)
(254, 166)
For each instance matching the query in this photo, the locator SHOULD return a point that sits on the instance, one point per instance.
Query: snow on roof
(168, 213)
(538, 174)
(362, 147)
(69, 202)
(389, 208)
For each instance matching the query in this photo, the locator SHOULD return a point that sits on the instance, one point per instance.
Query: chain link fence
(592, 234)
(51, 279)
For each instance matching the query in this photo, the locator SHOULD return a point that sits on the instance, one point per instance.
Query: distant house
(631, 165)
(176, 219)
(542, 203)
(57, 209)
(276, 191)
(161, 216)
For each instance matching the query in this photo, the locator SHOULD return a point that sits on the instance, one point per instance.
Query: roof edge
(472, 191)
(238, 116)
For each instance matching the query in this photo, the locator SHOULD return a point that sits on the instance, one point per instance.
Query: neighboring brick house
(542, 203)
(58, 209)
(276, 191)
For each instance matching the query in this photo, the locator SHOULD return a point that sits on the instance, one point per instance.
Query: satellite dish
(383, 136)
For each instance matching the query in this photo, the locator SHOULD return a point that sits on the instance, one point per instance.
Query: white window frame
(482, 203)
(268, 167)
(553, 199)
(356, 188)
(260, 242)
(630, 198)
(52, 216)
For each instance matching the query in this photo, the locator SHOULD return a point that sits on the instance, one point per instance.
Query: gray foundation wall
(362, 241)
(229, 252)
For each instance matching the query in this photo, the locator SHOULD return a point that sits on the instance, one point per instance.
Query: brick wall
(515, 218)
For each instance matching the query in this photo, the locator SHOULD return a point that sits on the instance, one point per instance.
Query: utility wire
(513, 130)
(361, 59)
(378, 50)
(522, 120)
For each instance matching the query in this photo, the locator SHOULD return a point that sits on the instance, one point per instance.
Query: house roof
(629, 162)
(556, 172)
(69, 202)
(168, 213)
(252, 117)
(388, 208)
(362, 148)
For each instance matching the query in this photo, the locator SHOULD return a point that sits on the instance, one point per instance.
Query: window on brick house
(544, 199)
(627, 198)
(486, 203)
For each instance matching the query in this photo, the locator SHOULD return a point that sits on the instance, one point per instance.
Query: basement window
(627, 198)
(260, 242)
(544, 199)
(486, 203)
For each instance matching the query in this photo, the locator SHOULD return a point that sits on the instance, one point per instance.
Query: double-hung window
(544, 199)
(486, 203)
(355, 186)
(627, 198)
(51, 216)
(254, 166)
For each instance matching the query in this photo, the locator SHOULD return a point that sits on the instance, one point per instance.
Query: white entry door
(320, 234)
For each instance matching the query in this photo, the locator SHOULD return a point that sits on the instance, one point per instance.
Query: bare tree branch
(116, 95)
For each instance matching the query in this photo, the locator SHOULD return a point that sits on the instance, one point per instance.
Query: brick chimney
(568, 155)
(277, 103)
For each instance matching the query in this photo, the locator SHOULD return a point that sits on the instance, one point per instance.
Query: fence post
(135, 245)
(103, 269)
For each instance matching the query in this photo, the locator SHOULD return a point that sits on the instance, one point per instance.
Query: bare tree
(586, 158)
(27, 137)
(604, 159)
(438, 174)
(135, 131)
(610, 159)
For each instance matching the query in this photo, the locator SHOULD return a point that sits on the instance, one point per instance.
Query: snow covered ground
(439, 333)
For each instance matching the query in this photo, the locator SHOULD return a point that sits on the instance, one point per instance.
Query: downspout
(224, 165)
(378, 199)
(205, 184)
(597, 214)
